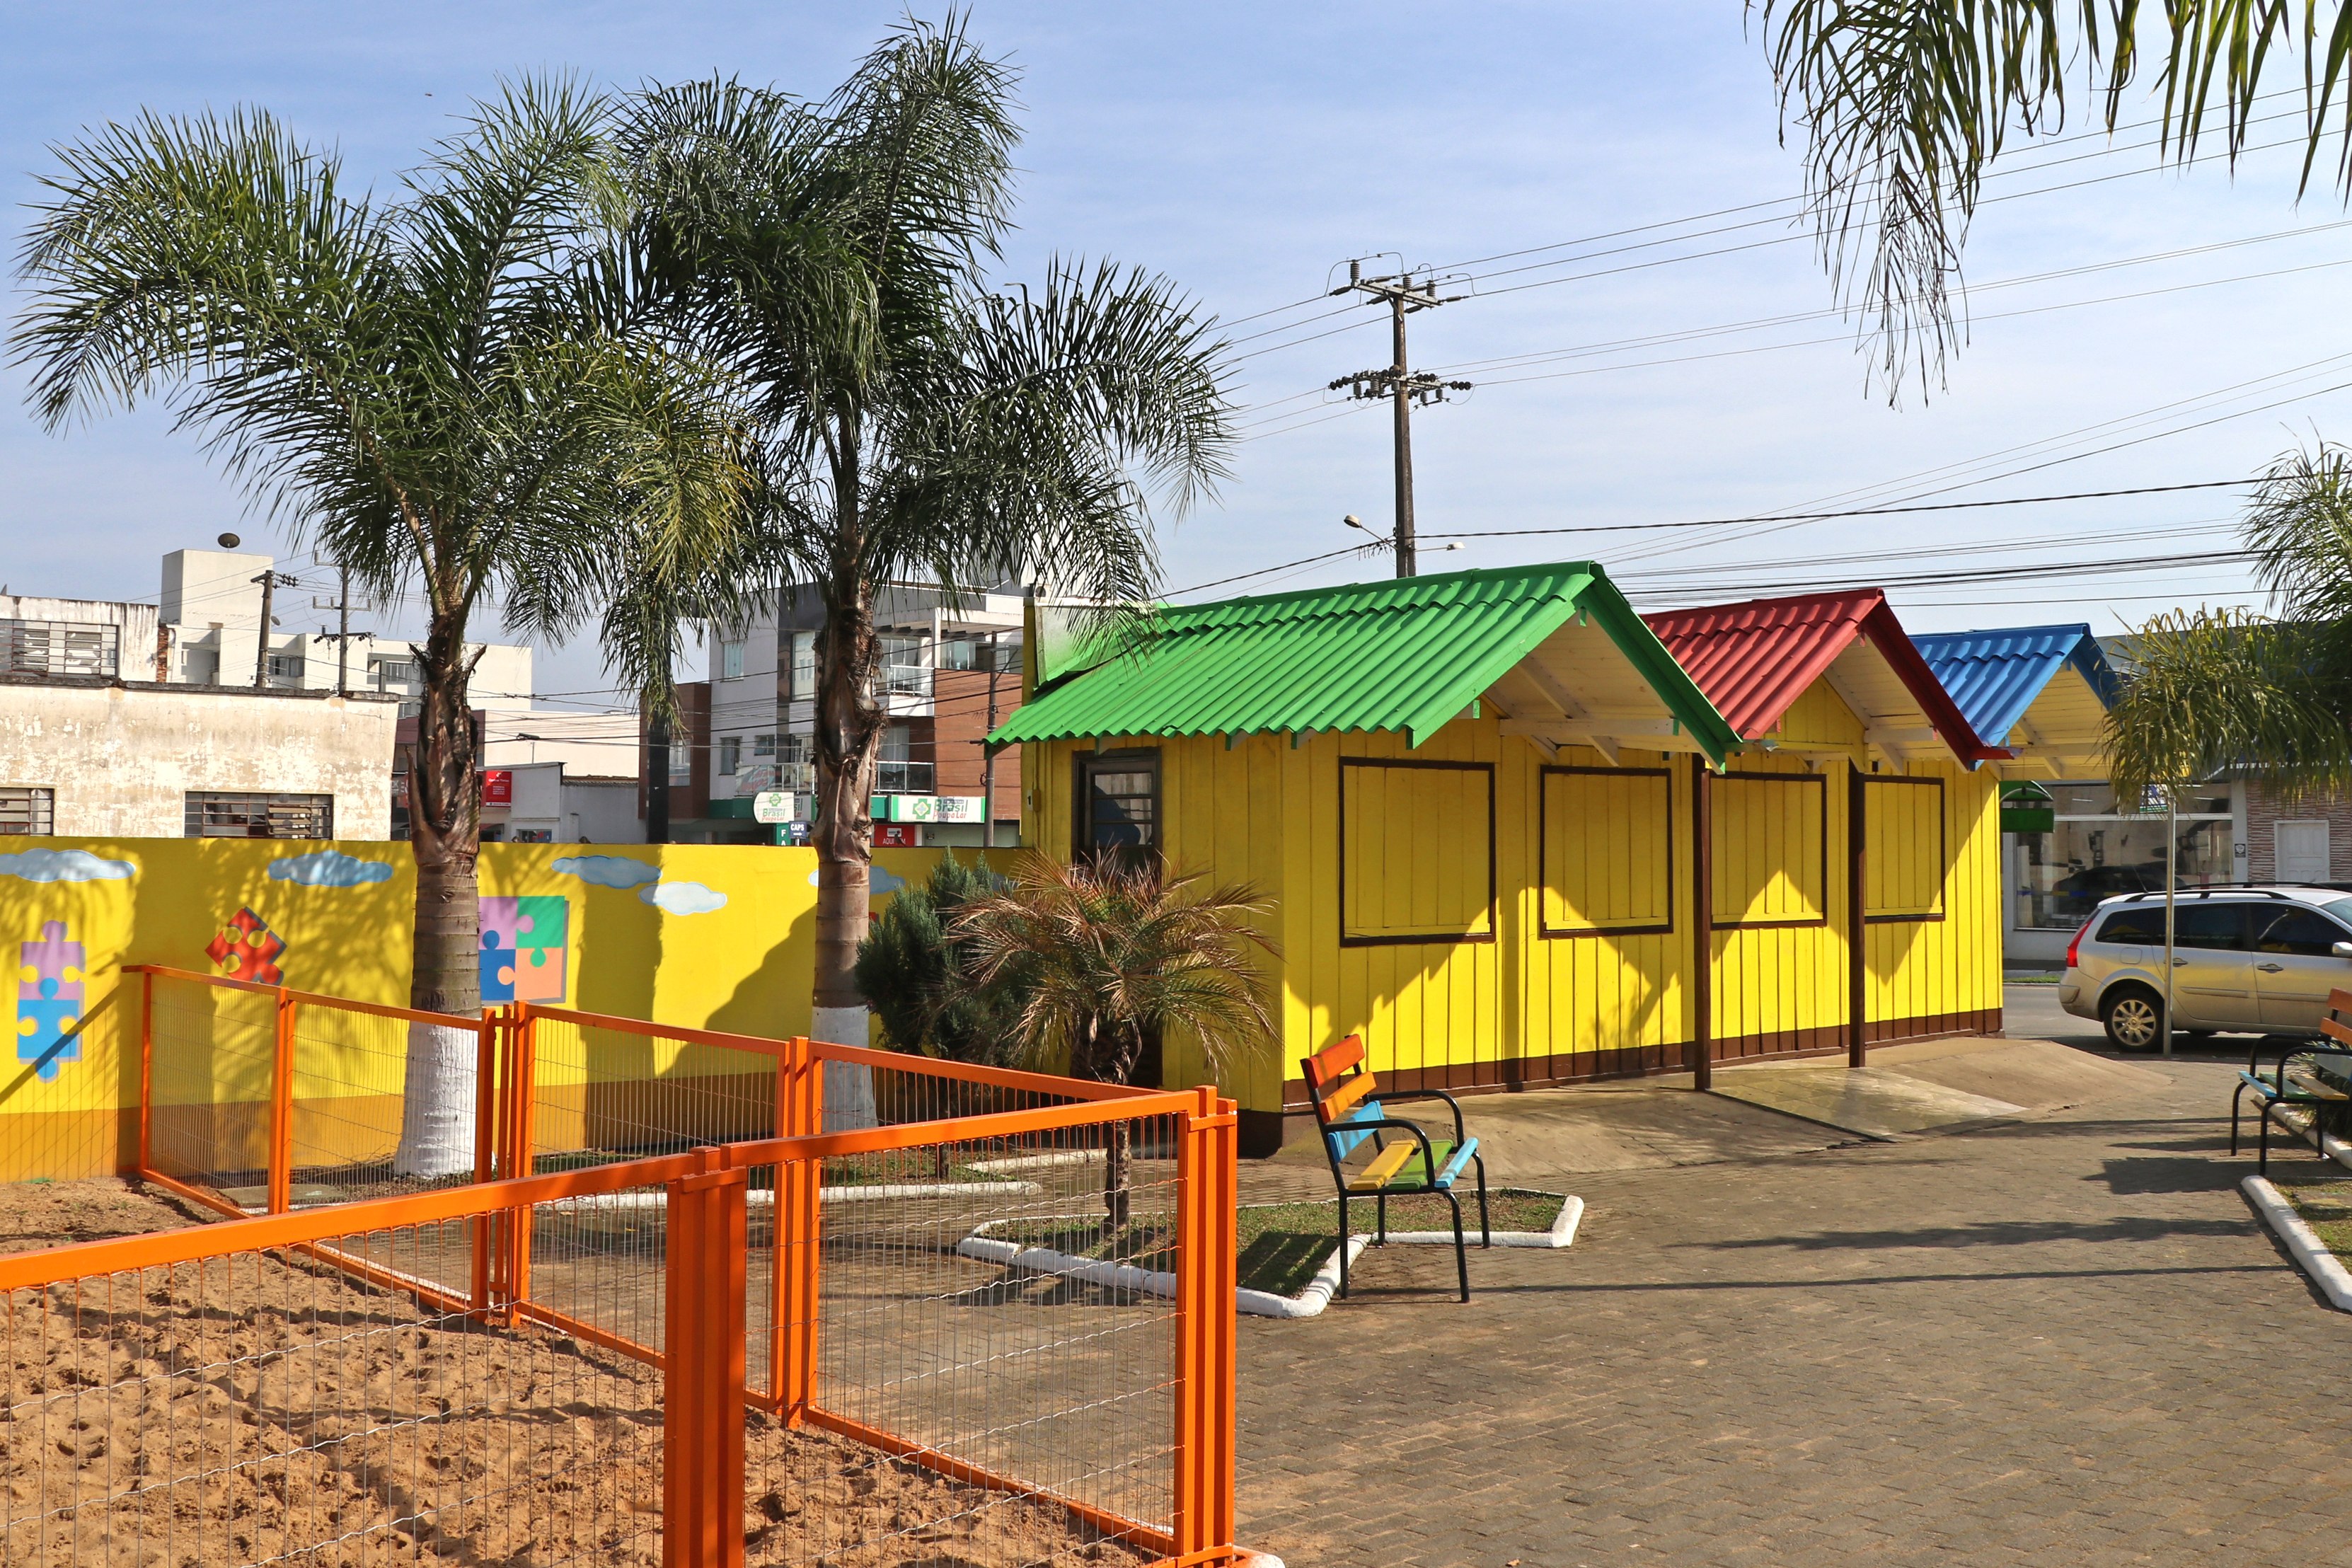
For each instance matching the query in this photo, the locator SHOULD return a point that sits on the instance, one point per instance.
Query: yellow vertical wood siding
(1416, 853)
(1608, 850)
(1555, 990)
(1905, 865)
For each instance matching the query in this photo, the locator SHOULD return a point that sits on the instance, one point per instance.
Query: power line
(1854, 511)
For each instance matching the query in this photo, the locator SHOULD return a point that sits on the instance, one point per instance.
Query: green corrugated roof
(1403, 655)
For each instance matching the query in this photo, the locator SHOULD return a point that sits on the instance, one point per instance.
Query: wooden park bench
(1397, 1156)
(2310, 1078)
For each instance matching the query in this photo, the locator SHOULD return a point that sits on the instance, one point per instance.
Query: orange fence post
(1206, 1192)
(146, 1073)
(702, 1374)
(485, 1145)
(791, 1337)
(516, 1158)
(281, 1110)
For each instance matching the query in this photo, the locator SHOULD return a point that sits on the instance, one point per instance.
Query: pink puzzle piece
(52, 966)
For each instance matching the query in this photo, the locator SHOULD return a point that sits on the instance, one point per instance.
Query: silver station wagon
(2258, 960)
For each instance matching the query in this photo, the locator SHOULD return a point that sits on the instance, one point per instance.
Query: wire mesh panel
(278, 1406)
(348, 1102)
(616, 1089)
(1001, 1347)
(212, 1051)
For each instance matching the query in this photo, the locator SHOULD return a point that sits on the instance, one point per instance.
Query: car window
(2207, 925)
(2300, 932)
(2341, 908)
(2199, 923)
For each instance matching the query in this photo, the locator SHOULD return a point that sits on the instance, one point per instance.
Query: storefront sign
(897, 835)
(498, 786)
(772, 805)
(929, 808)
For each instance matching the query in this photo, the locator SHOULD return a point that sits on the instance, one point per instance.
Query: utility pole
(342, 605)
(270, 582)
(988, 757)
(1398, 383)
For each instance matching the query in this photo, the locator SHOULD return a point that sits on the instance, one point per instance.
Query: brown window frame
(1943, 847)
(1820, 783)
(35, 805)
(196, 801)
(1548, 932)
(1084, 766)
(1494, 911)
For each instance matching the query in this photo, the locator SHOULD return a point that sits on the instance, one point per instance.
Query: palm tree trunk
(848, 736)
(437, 1128)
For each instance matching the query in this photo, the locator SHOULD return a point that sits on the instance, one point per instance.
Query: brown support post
(282, 1108)
(1207, 1183)
(146, 1073)
(1702, 1049)
(792, 1338)
(702, 1376)
(1857, 851)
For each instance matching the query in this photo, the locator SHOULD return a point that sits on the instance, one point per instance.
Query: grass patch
(1282, 1245)
(2326, 1205)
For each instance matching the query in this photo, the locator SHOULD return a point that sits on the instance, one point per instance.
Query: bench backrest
(2332, 1027)
(1343, 1089)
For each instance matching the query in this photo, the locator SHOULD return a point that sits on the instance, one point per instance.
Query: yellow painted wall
(1940, 969)
(1567, 976)
(743, 965)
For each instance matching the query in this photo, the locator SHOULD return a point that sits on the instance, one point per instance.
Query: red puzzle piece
(248, 950)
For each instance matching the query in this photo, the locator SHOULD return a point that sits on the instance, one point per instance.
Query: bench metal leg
(1382, 1203)
(1486, 1231)
(2236, 1097)
(1461, 1251)
(1344, 1247)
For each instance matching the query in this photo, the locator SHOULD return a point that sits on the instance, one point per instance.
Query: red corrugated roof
(1755, 659)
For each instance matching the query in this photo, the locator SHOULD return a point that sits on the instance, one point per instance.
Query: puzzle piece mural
(49, 1000)
(522, 949)
(247, 949)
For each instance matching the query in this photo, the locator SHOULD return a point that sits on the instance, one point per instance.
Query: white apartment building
(211, 608)
(945, 669)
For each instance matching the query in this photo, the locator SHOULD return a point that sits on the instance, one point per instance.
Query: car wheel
(2134, 1016)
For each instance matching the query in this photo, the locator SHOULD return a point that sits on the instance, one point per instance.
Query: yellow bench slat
(1345, 1098)
(1384, 1167)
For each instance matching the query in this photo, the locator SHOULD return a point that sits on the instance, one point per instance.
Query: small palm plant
(1109, 951)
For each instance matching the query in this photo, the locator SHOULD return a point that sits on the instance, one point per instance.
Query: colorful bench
(1398, 1156)
(2294, 1080)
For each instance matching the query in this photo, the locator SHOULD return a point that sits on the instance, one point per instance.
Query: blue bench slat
(1345, 1143)
(1454, 1164)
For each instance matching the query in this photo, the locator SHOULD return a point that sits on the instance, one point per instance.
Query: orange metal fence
(775, 1345)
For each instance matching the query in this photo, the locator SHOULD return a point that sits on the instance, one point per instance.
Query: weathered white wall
(123, 758)
(138, 647)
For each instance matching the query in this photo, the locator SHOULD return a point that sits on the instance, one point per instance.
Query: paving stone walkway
(2062, 1340)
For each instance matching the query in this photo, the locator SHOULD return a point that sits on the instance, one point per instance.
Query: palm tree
(1904, 103)
(915, 426)
(1109, 952)
(2270, 695)
(432, 389)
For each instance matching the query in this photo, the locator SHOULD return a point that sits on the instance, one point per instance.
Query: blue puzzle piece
(41, 1035)
(497, 974)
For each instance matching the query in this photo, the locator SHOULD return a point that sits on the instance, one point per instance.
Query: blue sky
(1247, 149)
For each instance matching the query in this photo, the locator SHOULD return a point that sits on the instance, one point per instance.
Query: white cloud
(608, 870)
(64, 865)
(683, 897)
(330, 868)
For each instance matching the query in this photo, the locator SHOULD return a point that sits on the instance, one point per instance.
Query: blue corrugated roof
(1995, 676)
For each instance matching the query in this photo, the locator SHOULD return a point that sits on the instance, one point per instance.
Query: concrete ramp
(1935, 1085)
(1877, 1102)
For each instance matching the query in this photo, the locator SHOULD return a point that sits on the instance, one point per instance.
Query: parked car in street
(2258, 960)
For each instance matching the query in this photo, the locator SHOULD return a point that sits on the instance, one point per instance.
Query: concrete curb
(2310, 1252)
(1561, 1233)
(1309, 1302)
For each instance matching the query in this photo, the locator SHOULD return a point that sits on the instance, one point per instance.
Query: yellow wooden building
(1482, 805)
